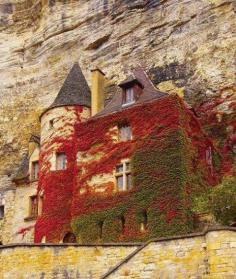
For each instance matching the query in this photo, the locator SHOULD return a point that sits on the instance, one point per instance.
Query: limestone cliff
(188, 47)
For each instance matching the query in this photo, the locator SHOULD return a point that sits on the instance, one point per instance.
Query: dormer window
(128, 97)
(132, 89)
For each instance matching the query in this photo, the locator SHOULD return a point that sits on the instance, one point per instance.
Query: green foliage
(216, 160)
(222, 202)
(88, 227)
(219, 201)
(160, 174)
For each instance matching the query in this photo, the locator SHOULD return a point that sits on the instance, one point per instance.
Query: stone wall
(60, 261)
(210, 255)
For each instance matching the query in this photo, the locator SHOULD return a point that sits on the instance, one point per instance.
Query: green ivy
(160, 175)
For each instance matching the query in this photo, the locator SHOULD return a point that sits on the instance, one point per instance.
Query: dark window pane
(61, 161)
(120, 184)
(119, 168)
(51, 123)
(127, 166)
(1, 211)
(129, 96)
(69, 238)
(129, 181)
(35, 170)
(125, 133)
(34, 206)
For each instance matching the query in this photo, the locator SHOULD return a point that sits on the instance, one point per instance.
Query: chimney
(98, 85)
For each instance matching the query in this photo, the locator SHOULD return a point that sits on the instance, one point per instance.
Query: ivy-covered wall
(168, 164)
(169, 167)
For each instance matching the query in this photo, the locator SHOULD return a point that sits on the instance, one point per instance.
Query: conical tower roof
(74, 91)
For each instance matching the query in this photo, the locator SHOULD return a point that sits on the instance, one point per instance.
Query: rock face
(188, 47)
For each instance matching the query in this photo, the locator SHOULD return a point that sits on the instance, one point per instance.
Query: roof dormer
(131, 91)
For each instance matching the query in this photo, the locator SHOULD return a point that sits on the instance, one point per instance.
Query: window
(40, 204)
(61, 161)
(100, 224)
(123, 177)
(69, 238)
(43, 240)
(33, 206)
(128, 96)
(35, 170)
(122, 219)
(51, 124)
(144, 223)
(209, 159)
(125, 133)
(1, 211)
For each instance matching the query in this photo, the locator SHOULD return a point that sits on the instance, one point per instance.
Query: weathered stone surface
(187, 46)
(201, 256)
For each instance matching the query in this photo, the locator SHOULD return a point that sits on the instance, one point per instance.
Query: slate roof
(149, 93)
(130, 81)
(23, 170)
(35, 138)
(74, 91)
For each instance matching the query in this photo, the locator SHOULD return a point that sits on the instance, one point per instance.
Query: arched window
(69, 238)
(144, 222)
(209, 159)
(100, 224)
(43, 240)
(122, 219)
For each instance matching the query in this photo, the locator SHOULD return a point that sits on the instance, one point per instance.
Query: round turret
(58, 149)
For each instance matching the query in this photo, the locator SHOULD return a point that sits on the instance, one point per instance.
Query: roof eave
(58, 106)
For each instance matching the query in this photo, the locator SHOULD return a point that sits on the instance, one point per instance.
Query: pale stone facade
(22, 218)
(17, 207)
(7, 201)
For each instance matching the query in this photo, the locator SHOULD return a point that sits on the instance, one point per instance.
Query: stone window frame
(33, 208)
(34, 177)
(124, 173)
(128, 136)
(61, 161)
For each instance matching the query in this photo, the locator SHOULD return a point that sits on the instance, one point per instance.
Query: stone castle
(103, 184)
(121, 171)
